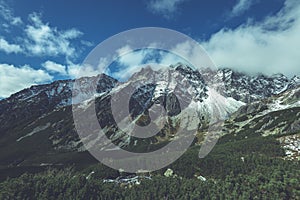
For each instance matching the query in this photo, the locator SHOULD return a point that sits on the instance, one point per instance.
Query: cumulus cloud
(55, 67)
(123, 50)
(129, 61)
(13, 79)
(35, 38)
(166, 8)
(9, 48)
(38, 38)
(270, 46)
(126, 72)
(45, 40)
(84, 70)
(72, 70)
(241, 6)
(190, 53)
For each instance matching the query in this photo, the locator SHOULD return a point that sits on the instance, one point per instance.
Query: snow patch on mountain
(34, 131)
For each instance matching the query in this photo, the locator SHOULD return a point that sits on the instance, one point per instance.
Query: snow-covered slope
(248, 88)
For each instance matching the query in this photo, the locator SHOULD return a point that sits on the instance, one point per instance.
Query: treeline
(250, 168)
(64, 184)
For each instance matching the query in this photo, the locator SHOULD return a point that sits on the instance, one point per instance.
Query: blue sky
(42, 41)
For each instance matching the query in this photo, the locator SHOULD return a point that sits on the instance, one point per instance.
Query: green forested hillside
(250, 168)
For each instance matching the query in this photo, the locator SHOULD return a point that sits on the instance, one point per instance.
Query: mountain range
(37, 127)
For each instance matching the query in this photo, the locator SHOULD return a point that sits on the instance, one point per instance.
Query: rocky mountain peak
(37, 100)
(295, 81)
(249, 88)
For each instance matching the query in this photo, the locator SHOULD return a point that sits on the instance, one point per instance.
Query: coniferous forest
(251, 168)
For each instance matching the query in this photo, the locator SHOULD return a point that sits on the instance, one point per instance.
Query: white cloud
(16, 21)
(87, 43)
(76, 70)
(55, 67)
(123, 56)
(72, 70)
(270, 46)
(241, 7)
(190, 53)
(38, 38)
(133, 58)
(124, 50)
(129, 62)
(126, 72)
(9, 48)
(44, 40)
(164, 7)
(14, 79)
(7, 14)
